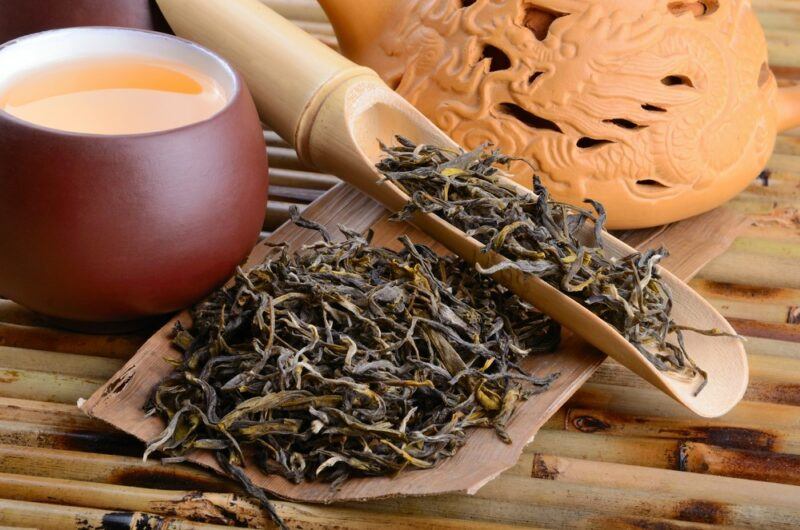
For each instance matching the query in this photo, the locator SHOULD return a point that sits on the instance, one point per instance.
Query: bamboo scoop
(333, 112)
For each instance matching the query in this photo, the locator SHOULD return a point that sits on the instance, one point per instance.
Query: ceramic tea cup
(102, 228)
(23, 17)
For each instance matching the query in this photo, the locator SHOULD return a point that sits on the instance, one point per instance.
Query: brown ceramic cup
(101, 228)
(23, 17)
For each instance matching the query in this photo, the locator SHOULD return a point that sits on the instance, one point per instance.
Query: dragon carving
(658, 108)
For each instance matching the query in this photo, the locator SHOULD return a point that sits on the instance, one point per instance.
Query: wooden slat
(58, 517)
(772, 379)
(108, 469)
(729, 434)
(48, 339)
(302, 179)
(640, 402)
(223, 509)
(46, 386)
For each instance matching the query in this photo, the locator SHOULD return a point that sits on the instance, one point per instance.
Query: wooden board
(120, 401)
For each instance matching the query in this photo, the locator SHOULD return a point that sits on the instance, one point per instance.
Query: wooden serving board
(120, 401)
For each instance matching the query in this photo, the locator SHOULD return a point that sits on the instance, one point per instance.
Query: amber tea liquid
(120, 95)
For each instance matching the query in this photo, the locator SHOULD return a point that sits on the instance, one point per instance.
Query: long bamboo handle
(288, 72)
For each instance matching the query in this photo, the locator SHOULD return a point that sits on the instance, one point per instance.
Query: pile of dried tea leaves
(540, 237)
(346, 360)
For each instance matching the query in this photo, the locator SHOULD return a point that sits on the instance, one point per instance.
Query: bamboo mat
(618, 454)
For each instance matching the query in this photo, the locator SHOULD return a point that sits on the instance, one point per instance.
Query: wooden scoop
(334, 112)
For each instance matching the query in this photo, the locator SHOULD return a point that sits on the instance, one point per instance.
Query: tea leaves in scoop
(542, 237)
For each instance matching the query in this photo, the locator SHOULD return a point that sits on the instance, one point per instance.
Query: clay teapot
(660, 109)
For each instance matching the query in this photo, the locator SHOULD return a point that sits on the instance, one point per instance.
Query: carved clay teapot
(660, 109)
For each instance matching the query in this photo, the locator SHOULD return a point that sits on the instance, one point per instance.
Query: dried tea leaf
(541, 237)
(344, 360)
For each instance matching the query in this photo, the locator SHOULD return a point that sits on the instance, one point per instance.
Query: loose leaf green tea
(541, 237)
(346, 360)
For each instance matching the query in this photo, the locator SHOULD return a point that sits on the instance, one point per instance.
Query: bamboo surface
(618, 454)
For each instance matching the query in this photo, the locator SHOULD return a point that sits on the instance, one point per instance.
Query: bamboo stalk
(759, 5)
(216, 508)
(779, 20)
(272, 139)
(632, 450)
(298, 195)
(560, 504)
(774, 183)
(775, 348)
(38, 338)
(109, 469)
(782, 162)
(362, 518)
(782, 47)
(46, 386)
(771, 304)
(772, 379)
(722, 490)
(775, 369)
(664, 453)
(286, 158)
(788, 393)
(759, 294)
(56, 517)
(527, 514)
(764, 210)
(756, 465)
(630, 490)
(67, 416)
(737, 267)
(723, 434)
(767, 330)
(128, 471)
(779, 230)
(633, 522)
(64, 363)
(301, 179)
(649, 402)
(45, 436)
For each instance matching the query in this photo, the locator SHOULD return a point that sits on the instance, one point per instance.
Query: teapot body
(659, 109)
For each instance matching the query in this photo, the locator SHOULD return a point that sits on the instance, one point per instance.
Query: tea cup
(118, 227)
(23, 17)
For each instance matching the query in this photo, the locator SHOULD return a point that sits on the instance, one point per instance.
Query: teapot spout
(358, 24)
(788, 108)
